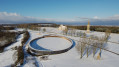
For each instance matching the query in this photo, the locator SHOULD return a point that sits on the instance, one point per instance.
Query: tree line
(7, 38)
(20, 50)
(113, 29)
(92, 44)
(6, 28)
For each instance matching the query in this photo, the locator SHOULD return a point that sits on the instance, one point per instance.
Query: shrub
(26, 37)
(6, 28)
(8, 38)
(20, 53)
(18, 56)
(44, 30)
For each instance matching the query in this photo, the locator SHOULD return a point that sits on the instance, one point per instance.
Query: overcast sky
(59, 11)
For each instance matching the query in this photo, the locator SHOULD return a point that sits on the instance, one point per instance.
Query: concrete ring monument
(36, 47)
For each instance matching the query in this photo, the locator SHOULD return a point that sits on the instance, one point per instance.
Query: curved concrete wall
(46, 52)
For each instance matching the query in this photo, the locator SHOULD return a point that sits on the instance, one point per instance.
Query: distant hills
(99, 22)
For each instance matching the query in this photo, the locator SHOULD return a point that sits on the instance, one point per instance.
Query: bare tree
(107, 34)
(94, 48)
(91, 44)
(65, 31)
(88, 42)
(18, 56)
(83, 46)
(44, 30)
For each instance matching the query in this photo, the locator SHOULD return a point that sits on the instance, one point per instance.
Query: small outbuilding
(62, 27)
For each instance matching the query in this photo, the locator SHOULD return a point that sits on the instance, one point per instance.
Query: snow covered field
(67, 59)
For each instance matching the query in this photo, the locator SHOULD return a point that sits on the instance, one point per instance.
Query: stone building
(62, 27)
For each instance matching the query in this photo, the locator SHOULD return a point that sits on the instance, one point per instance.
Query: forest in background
(113, 29)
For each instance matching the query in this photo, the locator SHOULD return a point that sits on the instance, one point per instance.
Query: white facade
(62, 27)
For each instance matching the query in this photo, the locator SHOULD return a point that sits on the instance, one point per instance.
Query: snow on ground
(114, 38)
(113, 47)
(16, 43)
(70, 58)
(6, 57)
(54, 43)
(3, 42)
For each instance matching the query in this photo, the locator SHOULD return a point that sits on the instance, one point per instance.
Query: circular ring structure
(39, 51)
